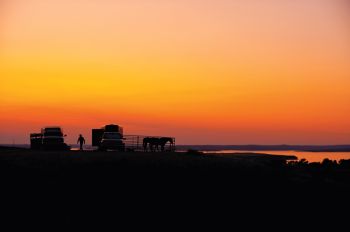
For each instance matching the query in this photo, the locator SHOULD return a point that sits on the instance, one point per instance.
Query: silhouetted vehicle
(109, 137)
(50, 138)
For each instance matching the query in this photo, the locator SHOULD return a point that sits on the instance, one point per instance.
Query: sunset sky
(203, 71)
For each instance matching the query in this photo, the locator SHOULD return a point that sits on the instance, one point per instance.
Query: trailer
(36, 141)
(147, 143)
(111, 137)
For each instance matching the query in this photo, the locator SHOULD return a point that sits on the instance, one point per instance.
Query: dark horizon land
(91, 188)
(246, 147)
(253, 147)
(28, 160)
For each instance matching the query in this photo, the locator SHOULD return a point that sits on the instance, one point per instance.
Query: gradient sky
(204, 71)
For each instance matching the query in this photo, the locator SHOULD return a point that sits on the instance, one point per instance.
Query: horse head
(167, 139)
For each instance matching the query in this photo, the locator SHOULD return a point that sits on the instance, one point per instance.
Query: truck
(50, 138)
(109, 137)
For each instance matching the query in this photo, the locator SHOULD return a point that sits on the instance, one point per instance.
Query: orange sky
(206, 72)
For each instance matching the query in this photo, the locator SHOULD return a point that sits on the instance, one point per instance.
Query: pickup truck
(109, 137)
(50, 138)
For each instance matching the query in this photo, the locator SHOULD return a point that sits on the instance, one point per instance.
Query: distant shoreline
(305, 148)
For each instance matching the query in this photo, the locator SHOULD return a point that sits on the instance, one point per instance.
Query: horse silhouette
(164, 140)
(150, 142)
(153, 143)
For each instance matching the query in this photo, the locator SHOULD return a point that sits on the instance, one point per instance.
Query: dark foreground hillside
(90, 187)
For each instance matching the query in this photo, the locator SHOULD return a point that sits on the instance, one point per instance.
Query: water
(310, 156)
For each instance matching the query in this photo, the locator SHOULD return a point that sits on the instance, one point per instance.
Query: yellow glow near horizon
(214, 72)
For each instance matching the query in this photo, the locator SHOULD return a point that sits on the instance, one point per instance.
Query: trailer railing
(136, 143)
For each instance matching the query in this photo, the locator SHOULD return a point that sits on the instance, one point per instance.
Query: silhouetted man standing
(81, 141)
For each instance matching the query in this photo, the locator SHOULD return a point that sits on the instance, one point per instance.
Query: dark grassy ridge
(52, 167)
(95, 187)
(239, 168)
(76, 170)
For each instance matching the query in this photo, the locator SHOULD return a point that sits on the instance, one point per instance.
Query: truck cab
(109, 137)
